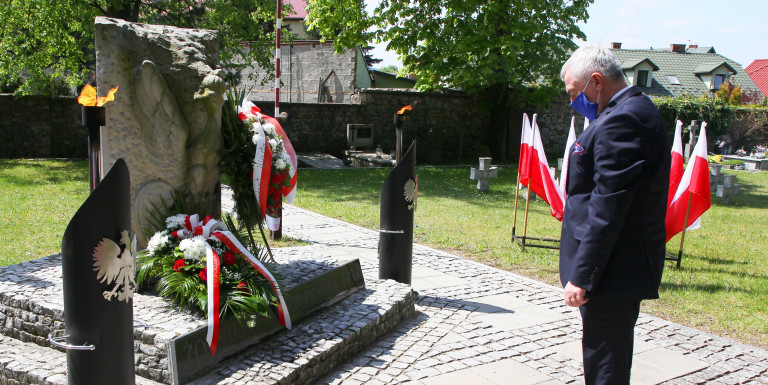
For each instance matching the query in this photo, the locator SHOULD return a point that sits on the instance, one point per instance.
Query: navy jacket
(613, 235)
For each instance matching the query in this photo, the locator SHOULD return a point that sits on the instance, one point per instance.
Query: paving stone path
(476, 324)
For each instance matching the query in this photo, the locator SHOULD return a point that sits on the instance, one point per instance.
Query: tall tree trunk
(498, 98)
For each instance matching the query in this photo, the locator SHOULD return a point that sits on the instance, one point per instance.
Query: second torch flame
(88, 96)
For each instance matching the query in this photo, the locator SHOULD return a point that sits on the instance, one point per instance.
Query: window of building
(673, 80)
(719, 80)
(642, 79)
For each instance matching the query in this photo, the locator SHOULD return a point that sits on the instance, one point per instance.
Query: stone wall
(309, 72)
(554, 122)
(447, 126)
(41, 127)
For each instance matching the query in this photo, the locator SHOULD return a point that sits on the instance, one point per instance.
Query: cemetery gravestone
(728, 189)
(483, 173)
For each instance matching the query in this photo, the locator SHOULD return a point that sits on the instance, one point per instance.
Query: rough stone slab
(320, 160)
(31, 307)
(312, 349)
(29, 363)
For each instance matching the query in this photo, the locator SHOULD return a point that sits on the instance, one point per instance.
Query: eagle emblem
(410, 192)
(114, 265)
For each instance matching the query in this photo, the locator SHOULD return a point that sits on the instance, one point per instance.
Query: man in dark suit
(613, 236)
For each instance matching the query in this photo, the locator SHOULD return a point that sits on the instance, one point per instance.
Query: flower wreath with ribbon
(274, 163)
(201, 264)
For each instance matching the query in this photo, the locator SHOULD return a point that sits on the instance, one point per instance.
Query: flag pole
(682, 236)
(517, 190)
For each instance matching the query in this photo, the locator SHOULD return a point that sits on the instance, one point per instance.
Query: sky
(737, 29)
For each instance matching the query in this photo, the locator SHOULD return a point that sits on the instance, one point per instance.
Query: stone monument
(166, 119)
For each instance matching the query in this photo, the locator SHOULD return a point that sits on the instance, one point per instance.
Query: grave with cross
(728, 189)
(483, 173)
(693, 138)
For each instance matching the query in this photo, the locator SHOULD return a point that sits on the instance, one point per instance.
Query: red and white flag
(676, 166)
(541, 179)
(568, 143)
(525, 145)
(693, 190)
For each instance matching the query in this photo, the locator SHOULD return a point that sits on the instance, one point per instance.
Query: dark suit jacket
(613, 235)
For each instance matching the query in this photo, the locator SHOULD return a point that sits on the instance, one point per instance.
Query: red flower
(242, 116)
(203, 274)
(179, 264)
(278, 178)
(229, 258)
(242, 286)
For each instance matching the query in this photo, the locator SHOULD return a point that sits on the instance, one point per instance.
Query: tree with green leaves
(392, 69)
(48, 45)
(499, 47)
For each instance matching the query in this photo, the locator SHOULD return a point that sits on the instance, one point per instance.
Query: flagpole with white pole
(278, 52)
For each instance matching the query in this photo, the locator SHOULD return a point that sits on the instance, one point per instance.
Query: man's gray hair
(589, 59)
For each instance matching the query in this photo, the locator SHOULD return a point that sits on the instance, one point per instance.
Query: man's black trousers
(608, 336)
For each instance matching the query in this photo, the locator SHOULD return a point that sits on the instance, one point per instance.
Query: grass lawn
(722, 286)
(39, 197)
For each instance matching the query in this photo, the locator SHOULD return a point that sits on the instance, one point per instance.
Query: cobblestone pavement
(479, 324)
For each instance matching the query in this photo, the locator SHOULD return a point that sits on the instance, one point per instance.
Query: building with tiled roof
(758, 72)
(680, 70)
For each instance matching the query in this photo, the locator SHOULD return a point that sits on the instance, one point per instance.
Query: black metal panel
(90, 317)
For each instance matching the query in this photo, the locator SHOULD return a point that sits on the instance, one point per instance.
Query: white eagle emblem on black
(410, 191)
(114, 265)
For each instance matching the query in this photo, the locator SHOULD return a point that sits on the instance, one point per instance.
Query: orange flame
(406, 108)
(88, 96)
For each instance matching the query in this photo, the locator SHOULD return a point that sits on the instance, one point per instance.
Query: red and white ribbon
(262, 168)
(210, 228)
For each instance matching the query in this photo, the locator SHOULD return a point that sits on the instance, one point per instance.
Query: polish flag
(693, 190)
(541, 178)
(568, 144)
(525, 145)
(676, 170)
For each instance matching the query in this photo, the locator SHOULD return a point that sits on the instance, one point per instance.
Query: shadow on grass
(50, 171)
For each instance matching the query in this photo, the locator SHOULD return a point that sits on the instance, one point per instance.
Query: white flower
(175, 222)
(157, 241)
(269, 129)
(280, 164)
(273, 144)
(256, 139)
(250, 119)
(193, 248)
(256, 125)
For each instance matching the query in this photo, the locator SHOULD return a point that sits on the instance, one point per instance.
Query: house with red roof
(758, 71)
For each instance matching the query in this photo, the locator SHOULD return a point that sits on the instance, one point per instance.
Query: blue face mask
(584, 106)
